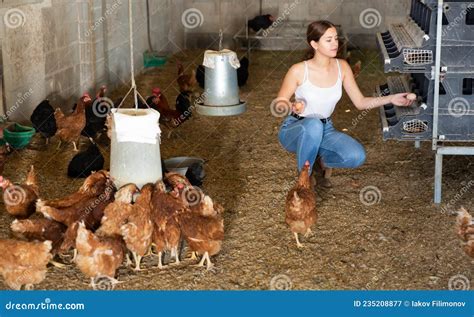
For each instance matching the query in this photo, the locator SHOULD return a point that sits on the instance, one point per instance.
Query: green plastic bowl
(152, 59)
(18, 136)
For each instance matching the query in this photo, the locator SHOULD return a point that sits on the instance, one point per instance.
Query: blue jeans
(311, 137)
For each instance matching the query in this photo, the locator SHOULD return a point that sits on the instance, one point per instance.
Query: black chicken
(195, 173)
(43, 120)
(242, 73)
(96, 114)
(84, 163)
(200, 75)
(183, 105)
(261, 22)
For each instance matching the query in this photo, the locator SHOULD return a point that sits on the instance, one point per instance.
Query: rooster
(137, 232)
(71, 126)
(98, 256)
(20, 199)
(301, 205)
(159, 102)
(24, 263)
(465, 231)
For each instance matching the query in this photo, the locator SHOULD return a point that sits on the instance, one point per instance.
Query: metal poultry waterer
(221, 91)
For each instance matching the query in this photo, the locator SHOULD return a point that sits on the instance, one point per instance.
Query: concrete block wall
(376, 14)
(61, 48)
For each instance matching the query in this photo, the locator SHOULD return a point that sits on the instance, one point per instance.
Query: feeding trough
(221, 91)
(135, 147)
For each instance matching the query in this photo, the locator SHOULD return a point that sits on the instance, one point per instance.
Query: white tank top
(320, 102)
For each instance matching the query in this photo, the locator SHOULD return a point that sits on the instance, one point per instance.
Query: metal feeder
(221, 91)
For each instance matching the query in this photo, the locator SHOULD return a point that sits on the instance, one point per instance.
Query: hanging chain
(221, 35)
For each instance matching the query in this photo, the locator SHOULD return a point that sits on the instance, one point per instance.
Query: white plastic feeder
(135, 147)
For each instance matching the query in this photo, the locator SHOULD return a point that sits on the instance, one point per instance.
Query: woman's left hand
(401, 99)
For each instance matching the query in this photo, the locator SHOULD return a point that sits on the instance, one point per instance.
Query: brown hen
(137, 232)
(20, 199)
(93, 186)
(90, 210)
(301, 206)
(465, 231)
(98, 256)
(40, 229)
(203, 230)
(186, 82)
(117, 212)
(167, 233)
(70, 126)
(24, 263)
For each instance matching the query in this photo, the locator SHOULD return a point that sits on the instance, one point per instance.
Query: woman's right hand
(298, 106)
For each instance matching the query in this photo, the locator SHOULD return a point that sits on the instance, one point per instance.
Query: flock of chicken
(103, 225)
